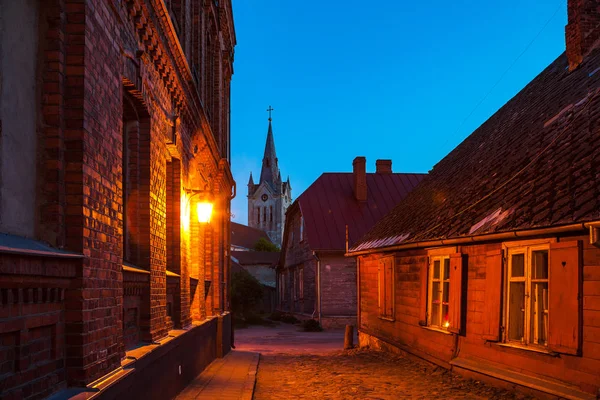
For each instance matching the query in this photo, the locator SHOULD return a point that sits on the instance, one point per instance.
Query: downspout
(318, 284)
(357, 293)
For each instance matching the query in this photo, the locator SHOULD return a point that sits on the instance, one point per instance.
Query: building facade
(269, 199)
(314, 279)
(491, 266)
(114, 123)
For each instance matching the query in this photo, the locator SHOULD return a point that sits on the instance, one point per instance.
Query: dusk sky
(399, 80)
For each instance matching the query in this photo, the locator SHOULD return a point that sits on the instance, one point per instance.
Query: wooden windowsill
(435, 329)
(528, 348)
(390, 319)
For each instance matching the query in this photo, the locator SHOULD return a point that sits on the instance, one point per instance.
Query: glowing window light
(204, 211)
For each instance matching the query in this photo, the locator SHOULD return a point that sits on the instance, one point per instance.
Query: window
(438, 305)
(527, 296)
(264, 214)
(281, 288)
(295, 284)
(301, 228)
(386, 288)
(258, 215)
(301, 283)
(271, 213)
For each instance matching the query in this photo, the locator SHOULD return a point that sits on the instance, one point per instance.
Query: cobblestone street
(319, 370)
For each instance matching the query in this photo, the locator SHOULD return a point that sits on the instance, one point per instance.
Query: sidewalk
(229, 378)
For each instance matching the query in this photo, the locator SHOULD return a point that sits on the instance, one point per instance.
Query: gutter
(318, 284)
(594, 228)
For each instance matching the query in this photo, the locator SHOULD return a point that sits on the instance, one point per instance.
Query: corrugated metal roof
(328, 205)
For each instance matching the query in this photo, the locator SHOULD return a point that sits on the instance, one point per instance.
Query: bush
(264, 245)
(246, 294)
(311, 325)
(289, 319)
(275, 316)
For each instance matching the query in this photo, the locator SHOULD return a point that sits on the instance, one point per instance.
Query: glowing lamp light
(204, 212)
(446, 324)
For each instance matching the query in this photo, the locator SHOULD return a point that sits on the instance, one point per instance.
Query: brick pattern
(114, 83)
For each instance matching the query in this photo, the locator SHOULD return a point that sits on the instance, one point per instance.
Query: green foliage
(246, 294)
(311, 325)
(264, 245)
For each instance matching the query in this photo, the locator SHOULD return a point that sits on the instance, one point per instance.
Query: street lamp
(204, 207)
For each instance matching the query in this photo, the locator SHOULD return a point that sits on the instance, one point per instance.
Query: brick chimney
(359, 172)
(383, 166)
(583, 30)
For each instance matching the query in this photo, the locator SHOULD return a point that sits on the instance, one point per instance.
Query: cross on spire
(269, 110)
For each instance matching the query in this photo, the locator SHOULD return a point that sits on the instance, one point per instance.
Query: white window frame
(430, 281)
(529, 339)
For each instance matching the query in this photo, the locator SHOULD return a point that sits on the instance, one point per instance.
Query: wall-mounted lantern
(204, 207)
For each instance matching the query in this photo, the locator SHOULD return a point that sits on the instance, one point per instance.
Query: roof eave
(581, 226)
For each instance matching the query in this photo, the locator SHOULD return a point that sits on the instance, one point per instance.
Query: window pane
(516, 323)
(540, 264)
(435, 303)
(436, 269)
(446, 293)
(446, 268)
(445, 309)
(539, 313)
(518, 265)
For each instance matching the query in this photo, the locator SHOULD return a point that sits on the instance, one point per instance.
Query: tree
(246, 293)
(264, 245)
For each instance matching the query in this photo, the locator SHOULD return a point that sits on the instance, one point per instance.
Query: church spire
(270, 169)
(250, 181)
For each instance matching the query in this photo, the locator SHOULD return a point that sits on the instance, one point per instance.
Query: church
(269, 199)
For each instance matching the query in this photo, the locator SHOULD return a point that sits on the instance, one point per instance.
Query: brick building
(491, 266)
(314, 279)
(114, 119)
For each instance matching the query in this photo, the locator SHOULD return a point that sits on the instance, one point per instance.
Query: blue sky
(396, 80)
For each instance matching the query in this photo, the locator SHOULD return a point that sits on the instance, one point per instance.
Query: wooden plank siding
(406, 332)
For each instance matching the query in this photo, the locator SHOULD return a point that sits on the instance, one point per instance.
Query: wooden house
(491, 266)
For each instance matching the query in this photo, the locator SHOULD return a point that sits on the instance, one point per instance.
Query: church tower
(270, 197)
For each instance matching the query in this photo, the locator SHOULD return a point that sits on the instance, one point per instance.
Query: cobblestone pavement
(328, 373)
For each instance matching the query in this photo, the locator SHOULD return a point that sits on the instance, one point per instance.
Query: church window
(271, 213)
(258, 215)
(268, 163)
(264, 214)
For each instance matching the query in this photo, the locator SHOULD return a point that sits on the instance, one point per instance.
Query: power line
(504, 73)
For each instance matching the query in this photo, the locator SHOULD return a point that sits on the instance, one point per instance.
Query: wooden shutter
(492, 300)
(564, 297)
(423, 295)
(389, 287)
(455, 298)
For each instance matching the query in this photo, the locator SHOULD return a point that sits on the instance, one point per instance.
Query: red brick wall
(93, 55)
(406, 332)
(32, 328)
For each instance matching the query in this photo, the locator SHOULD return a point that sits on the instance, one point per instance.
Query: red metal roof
(328, 205)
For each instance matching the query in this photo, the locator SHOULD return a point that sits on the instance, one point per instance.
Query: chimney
(383, 166)
(359, 171)
(583, 30)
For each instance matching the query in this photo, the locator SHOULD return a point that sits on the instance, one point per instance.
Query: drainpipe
(357, 293)
(318, 284)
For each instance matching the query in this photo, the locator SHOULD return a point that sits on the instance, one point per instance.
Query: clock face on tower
(264, 197)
